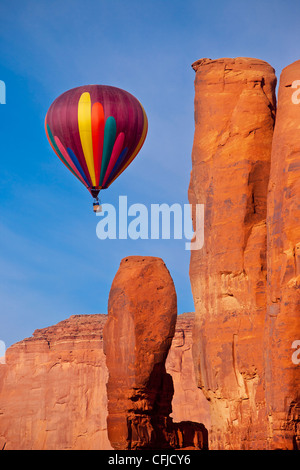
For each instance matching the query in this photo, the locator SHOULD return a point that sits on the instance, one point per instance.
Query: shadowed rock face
(142, 313)
(234, 120)
(189, 402)
(283, 256)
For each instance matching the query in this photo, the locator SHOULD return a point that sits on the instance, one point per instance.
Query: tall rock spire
(235, 109)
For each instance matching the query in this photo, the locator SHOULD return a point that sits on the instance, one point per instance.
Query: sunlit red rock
(283, 256)
(234, 120)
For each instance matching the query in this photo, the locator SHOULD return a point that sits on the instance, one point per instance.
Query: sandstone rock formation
(234, 120)
(142, 313)
(283, 258)
(188, 403)
(53, 387)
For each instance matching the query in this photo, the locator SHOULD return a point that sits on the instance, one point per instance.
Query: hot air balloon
(96, 131)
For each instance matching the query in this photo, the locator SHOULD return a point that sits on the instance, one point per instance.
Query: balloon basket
(97, 206)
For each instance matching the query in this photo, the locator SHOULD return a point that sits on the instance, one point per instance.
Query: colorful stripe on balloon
(136, 151)
(61, 156)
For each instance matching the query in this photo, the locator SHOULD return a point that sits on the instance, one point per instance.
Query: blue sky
(52, 265)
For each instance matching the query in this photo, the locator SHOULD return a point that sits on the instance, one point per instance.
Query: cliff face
(245, 280)
(234, 120)
(53, 386)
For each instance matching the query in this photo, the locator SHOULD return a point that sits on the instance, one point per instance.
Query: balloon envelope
(96, 131)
